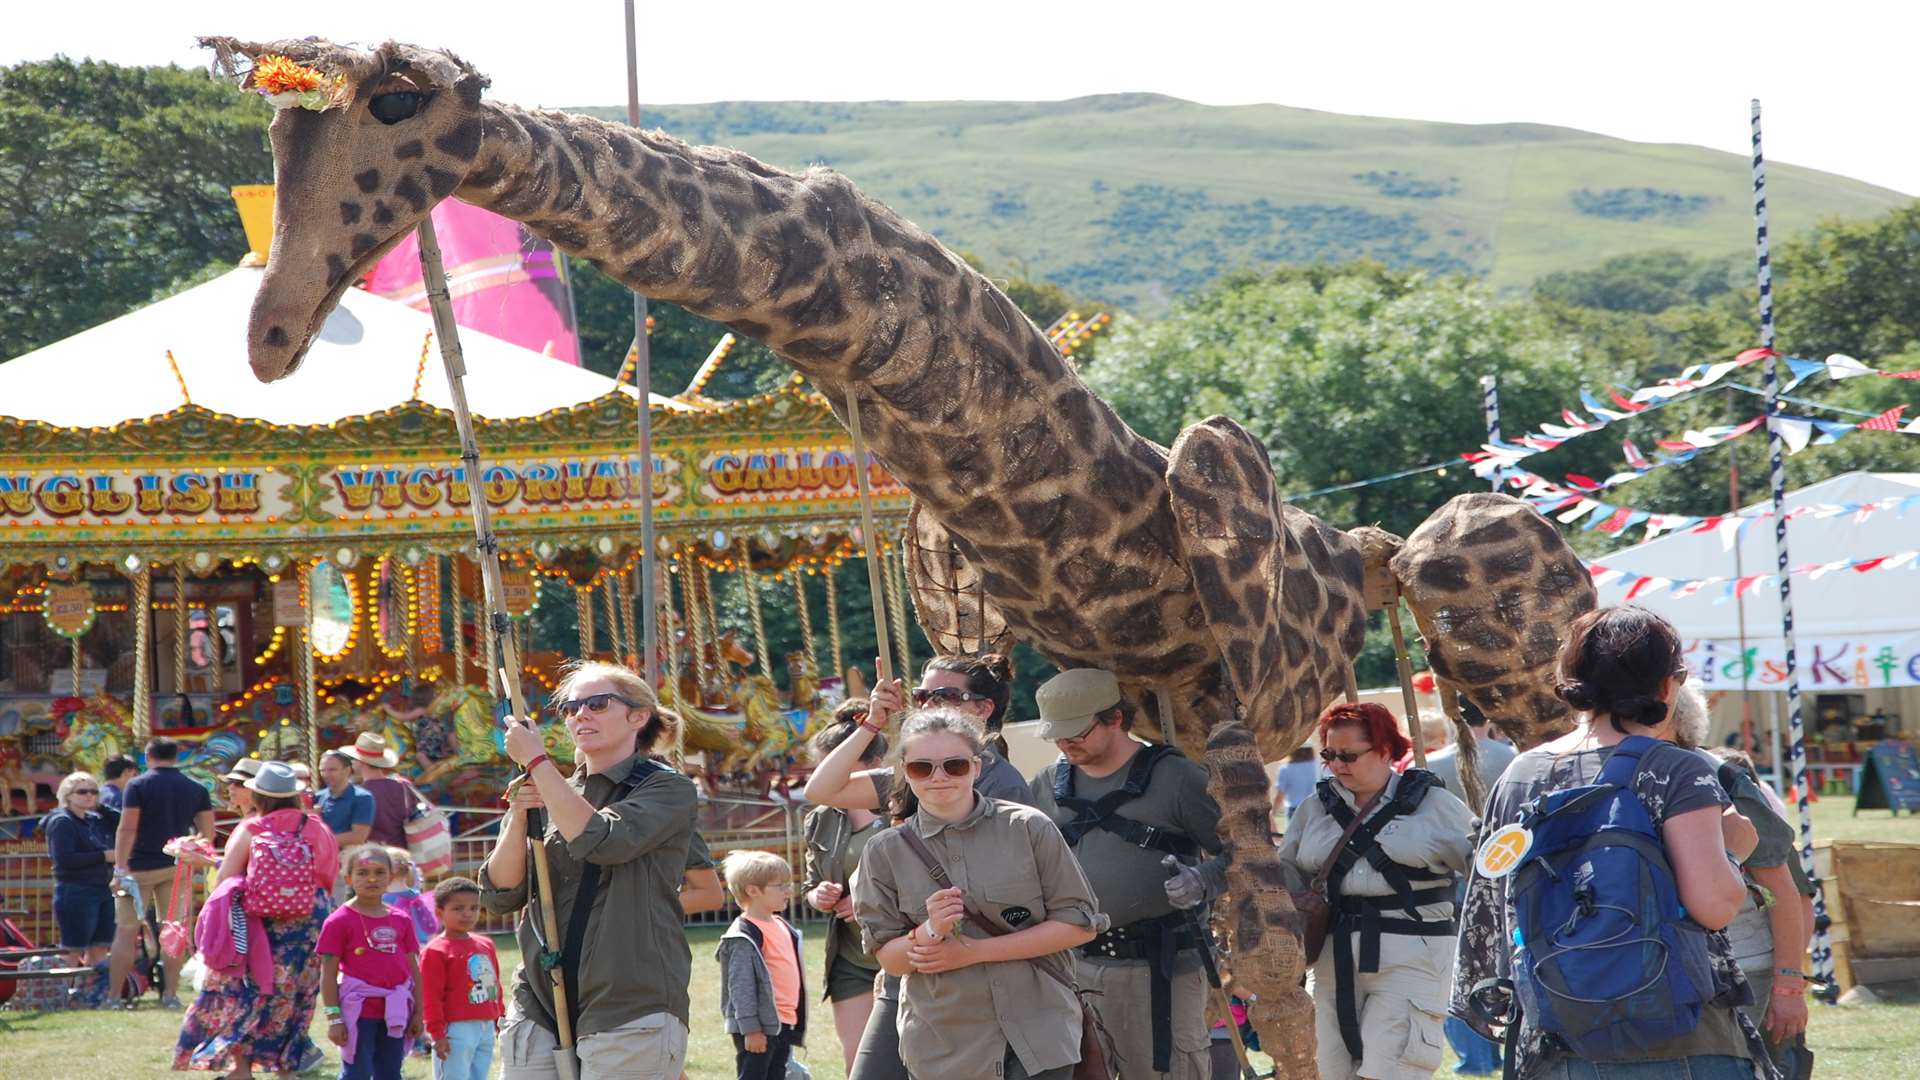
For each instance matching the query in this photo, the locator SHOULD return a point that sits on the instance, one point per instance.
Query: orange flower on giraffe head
(286, 83)
(276, 74)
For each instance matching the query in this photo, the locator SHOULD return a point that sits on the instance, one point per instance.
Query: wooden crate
(1873, 900)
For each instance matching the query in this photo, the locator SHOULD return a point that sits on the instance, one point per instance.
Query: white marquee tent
(1858, 633)
(366, 359)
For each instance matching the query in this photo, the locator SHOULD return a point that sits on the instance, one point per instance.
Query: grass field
(1877, 1042)
(1134, 198)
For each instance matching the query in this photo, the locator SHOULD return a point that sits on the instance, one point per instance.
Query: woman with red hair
(1386, 849)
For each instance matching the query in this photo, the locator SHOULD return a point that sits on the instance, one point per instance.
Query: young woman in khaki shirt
(972, 1002)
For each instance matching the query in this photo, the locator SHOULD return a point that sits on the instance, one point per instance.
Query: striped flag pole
(1822, 945)
(1490, 406)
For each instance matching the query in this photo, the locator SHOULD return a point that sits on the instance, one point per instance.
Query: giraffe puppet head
(357, 163)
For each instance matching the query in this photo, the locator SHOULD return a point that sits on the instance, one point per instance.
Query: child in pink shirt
(370, 974)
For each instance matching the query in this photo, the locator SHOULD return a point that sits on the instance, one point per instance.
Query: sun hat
(1071, 700)
(372, 749)
(244, 770)
(277, 780)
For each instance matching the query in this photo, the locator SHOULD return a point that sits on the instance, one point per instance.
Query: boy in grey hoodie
(762, 990)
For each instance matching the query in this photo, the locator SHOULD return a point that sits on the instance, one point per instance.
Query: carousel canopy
(365, 360)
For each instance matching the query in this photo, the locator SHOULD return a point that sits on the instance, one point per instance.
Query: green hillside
(1135, 197)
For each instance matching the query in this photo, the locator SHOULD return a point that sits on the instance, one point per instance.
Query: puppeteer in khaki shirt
(1015, 869)
(637, 962)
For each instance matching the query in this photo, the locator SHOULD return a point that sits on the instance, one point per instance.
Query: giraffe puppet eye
(391, 108)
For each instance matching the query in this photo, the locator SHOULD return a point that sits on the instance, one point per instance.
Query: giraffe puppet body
(1234, 616)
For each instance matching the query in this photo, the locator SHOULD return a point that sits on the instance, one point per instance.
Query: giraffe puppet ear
(1261, 572)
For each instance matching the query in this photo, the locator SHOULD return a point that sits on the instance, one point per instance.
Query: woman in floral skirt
(235, 1023)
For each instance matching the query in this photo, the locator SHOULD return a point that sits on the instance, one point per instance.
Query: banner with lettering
(1859, 662)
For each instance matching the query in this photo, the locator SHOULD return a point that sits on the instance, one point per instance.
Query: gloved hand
(1186, 888)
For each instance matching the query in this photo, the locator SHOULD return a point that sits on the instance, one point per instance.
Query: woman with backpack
(1606, 871)
(287, 859)
(1384, 848)
(974, 903)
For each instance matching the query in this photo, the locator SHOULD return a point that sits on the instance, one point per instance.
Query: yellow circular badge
(1503, 851)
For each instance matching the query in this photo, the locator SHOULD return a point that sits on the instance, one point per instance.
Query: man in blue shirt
(118, 770)
(159, 805)
(345, 806)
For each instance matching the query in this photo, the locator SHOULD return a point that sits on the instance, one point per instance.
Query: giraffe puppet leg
(1263, 926)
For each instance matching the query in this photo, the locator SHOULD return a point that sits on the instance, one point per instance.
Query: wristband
(1793, 971)
(535, 763)
(875, 728)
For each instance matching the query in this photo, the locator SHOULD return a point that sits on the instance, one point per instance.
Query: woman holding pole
(618, 823)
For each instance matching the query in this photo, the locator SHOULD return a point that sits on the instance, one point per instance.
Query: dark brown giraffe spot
(463, 142)
(349, 213)
(629, 223)
(276, 337)
(1498, 531)
(362, 243)
(409, 150)
(382, 213)
(367, 181)
(409, 189)
(489, 174)
(1448, 573)
(468, 89)
(441, 182)
(336, 267)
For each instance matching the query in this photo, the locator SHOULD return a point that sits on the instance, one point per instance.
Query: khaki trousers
(156, 895)
(1121, 993)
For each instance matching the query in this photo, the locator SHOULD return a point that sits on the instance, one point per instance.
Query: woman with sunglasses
(630, 819)
(977, 687)
(969, 942)
(1622, 668)
(80, 842)
(847, 778)
(1394, 901)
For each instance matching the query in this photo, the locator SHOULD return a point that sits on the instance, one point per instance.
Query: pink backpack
(280, 872)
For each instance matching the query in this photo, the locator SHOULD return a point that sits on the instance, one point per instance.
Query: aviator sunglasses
(592, 703)
(955, 767)
(943, 694)
(1345, 757)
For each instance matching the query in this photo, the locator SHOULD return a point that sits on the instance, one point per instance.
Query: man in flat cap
(1145, 830)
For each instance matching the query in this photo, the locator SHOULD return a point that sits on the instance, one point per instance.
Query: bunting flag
(1886, 421)
(1493, 457)
(1568, 504)
(1640, 585)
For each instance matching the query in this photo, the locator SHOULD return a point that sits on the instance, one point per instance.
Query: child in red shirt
(370, 973)
(461, 976)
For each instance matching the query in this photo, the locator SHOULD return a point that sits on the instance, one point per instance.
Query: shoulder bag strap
(583, 897)
(918, 845)
(1326, 869)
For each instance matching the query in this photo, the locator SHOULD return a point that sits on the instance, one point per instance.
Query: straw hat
(276, 779)
(244, 770)
(372, 749)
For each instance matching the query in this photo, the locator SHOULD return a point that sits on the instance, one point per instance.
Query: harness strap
(1158, 941)
(1101, 813)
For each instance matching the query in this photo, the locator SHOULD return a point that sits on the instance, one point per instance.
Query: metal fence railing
(728, 823)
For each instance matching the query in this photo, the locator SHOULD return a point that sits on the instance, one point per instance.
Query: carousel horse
(92, 731)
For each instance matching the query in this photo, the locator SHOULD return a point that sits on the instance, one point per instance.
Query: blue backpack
(1605, 957)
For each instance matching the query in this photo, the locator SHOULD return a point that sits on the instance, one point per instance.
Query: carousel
(268, 571)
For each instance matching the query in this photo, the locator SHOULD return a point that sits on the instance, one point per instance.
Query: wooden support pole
(1405, 666)
(870, 539)
(487, 548)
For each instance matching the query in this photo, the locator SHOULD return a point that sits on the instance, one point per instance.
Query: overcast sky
(1836, 77)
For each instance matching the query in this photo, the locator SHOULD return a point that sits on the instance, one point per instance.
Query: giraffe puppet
(1229, 615)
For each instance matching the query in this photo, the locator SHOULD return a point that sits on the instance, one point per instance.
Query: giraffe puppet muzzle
(364, 145)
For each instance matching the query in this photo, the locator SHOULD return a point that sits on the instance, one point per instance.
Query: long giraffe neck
(970, 406)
